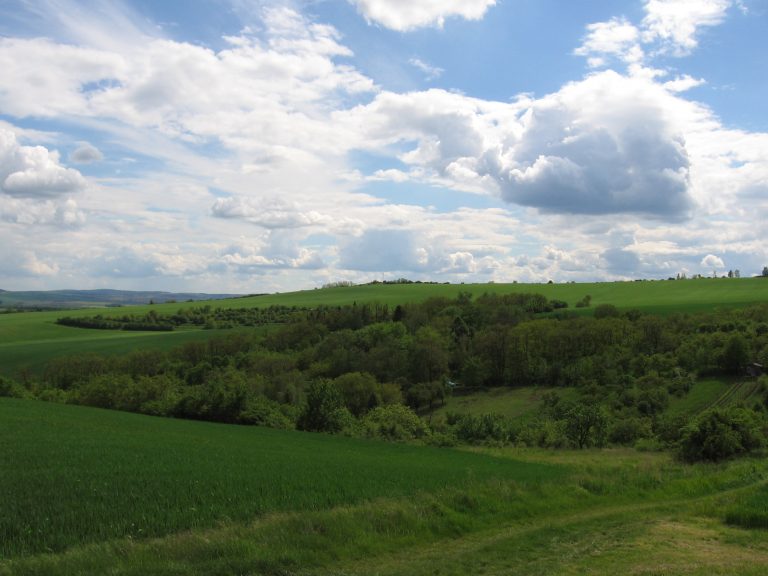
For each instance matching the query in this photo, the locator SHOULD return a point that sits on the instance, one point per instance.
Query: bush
(11, 389)
(720, 434)
(394, 422)
(262, 411)
(492, 428)
(606, 311)
(627, 431)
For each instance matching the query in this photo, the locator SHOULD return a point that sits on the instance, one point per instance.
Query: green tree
(360, 391)
(324, 410)
(428, 356)
(585, 425)
(720, 434)
(735, 354)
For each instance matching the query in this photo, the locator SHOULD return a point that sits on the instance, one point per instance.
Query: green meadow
(88, 491)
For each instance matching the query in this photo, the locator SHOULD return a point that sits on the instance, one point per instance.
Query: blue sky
(268, 145)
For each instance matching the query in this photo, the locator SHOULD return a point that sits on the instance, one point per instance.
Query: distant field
(21, 333)
(663, 296)
(18, 357)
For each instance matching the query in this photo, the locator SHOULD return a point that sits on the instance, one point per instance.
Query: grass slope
(71, 475)
(336, 506)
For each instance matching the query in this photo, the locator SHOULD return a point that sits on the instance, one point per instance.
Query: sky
(250, 146)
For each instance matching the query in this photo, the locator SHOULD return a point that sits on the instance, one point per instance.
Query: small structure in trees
(755, 370)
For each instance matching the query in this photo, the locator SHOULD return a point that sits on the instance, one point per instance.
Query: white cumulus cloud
(617, 37)
(712, 261)
(34, 171)
(677, 23)
(607, 144)
(408, 15)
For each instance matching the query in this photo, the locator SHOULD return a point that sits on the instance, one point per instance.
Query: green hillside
(88, 491)
(72, 475)
(35, 335)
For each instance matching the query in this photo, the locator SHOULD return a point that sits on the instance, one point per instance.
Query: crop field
(88, 491)
(30, 357)
(77, 474)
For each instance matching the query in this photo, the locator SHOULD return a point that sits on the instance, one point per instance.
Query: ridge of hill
(98, 297)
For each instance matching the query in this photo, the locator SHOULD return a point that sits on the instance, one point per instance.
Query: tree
(765, 271)
(585, 425)
(735, 355)
(359, 390)
(428, 356)
(324, 410)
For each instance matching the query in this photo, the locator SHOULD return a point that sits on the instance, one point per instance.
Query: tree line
(373, 370)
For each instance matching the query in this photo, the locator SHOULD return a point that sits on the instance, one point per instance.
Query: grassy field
(77, 475)
(525, 402)
(522, 403)
(87, 491)
(29, 338)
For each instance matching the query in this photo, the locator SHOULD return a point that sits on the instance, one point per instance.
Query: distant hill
(103, 297)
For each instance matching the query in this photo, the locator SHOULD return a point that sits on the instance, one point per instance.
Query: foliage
(394, 422)
(325, 367)
(324, 410)
(720, 434)
(736, 354)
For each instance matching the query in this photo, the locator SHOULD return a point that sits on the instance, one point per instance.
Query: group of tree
(371, 370)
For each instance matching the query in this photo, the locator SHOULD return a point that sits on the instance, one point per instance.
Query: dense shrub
(394, 422)
(11, 389)
(627, 431)
(720, 434)
(483, 428)
(261, 411)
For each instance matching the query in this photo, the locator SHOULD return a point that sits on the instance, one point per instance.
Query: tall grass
(750, 510)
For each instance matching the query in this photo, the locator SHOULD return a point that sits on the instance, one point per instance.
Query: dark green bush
(720, 434)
